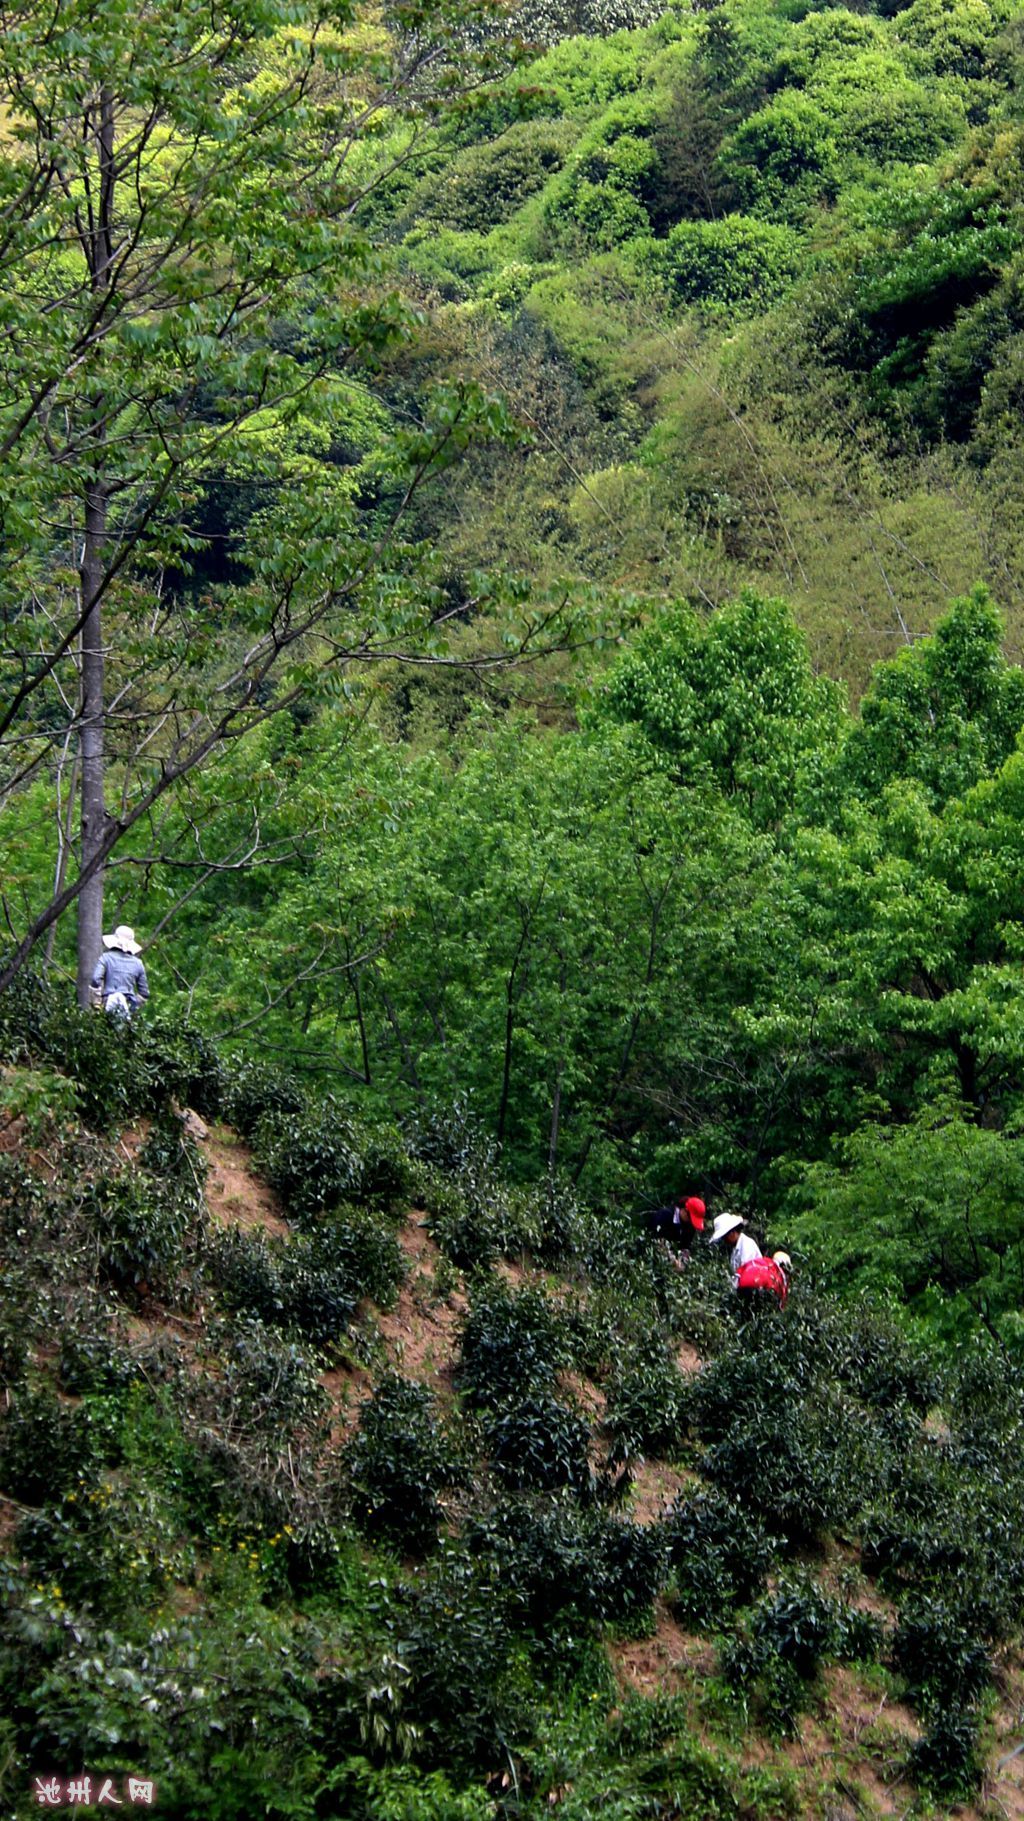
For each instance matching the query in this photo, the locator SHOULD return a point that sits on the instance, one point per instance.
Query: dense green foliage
(635, 805)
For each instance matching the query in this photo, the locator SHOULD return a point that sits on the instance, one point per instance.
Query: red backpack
(764, 1274)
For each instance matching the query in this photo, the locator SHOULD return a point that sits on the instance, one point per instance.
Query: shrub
(539, 1444)
(24, 1009)
(123, 1071)
(782, 159)
(92, 1359)
(735, 265)
(719, 1555)
(182, 1064)
(541, 1556)
(943, 1664)
(45, 1445)
(247, 1273)
(351, 1254)
(312, 1282)
(551, 1557)
(141, 1226)
(511, 1345)
(217, 1708)
(487, 183)
(803, 1472)
(633, 1560)
(259, 1401)
(799, 1624)
(475, 1214)
(317, 1158)
(791, 1632)
(108, 1547)
(945, 1760)
(467, 1688)
(397, 1463)
(254, 1089)
(308, 1157)
(170, 1153)
(645, 1404)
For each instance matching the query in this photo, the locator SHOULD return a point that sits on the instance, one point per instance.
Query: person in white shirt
(741, 1248)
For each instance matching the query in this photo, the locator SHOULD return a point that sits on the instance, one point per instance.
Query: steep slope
(324, 1507)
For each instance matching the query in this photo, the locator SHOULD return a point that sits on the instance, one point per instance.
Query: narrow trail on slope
(236, 1194)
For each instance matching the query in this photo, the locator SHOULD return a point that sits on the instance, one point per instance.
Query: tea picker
(678, 1224)
(119, 981)
(742, 1249)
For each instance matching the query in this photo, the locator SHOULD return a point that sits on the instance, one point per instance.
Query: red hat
(696, 1210)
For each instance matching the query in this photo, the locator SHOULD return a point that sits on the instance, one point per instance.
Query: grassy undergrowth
(214, 1578)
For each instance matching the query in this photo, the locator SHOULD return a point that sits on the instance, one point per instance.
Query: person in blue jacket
(119, 976)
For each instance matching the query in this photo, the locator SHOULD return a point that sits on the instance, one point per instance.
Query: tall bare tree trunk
(91, 743)
(99, 249)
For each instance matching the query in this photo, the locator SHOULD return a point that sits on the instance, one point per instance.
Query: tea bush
(791, 1632)
(23, 1014)
(123, 1071)
(246, 1273)
(45, 1445)
(942, 1663)
(646, 1403)
(469, 1690)
(475, 1215)
(92, 1358)
(254, 1089)
(799, 1624)
(358, 1247)
(170, 1153)
(320, 1285)
(633, 1561)
(106, 1546)
(945, 1761)
(397, 1463)
(141, 1226)
(804, 1472)
(719, 1555)
(549, 1557)
(257, 1419)
(318, 1157)
(541, 1555)
(540, 1444)
(511, 1344)
(312, 1282)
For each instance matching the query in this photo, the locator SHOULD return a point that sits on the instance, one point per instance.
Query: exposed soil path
(421, 1332)
(236, 1194)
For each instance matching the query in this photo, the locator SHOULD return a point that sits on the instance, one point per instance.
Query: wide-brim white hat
(725, 1223)
(123, 938)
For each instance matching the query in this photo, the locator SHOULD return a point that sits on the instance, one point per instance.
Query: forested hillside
(513, 589)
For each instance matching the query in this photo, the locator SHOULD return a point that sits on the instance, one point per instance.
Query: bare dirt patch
(588, 1398)
(347, 1389)
(421, 1333)
(235, 1194)
(661, 1663)
(655, 1486)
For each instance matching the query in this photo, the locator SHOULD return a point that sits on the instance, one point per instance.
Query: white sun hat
(123, 938)
(725, 1223)
(783, 1260)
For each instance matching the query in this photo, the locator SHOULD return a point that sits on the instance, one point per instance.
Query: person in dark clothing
(678, 1224)
(119, 977)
